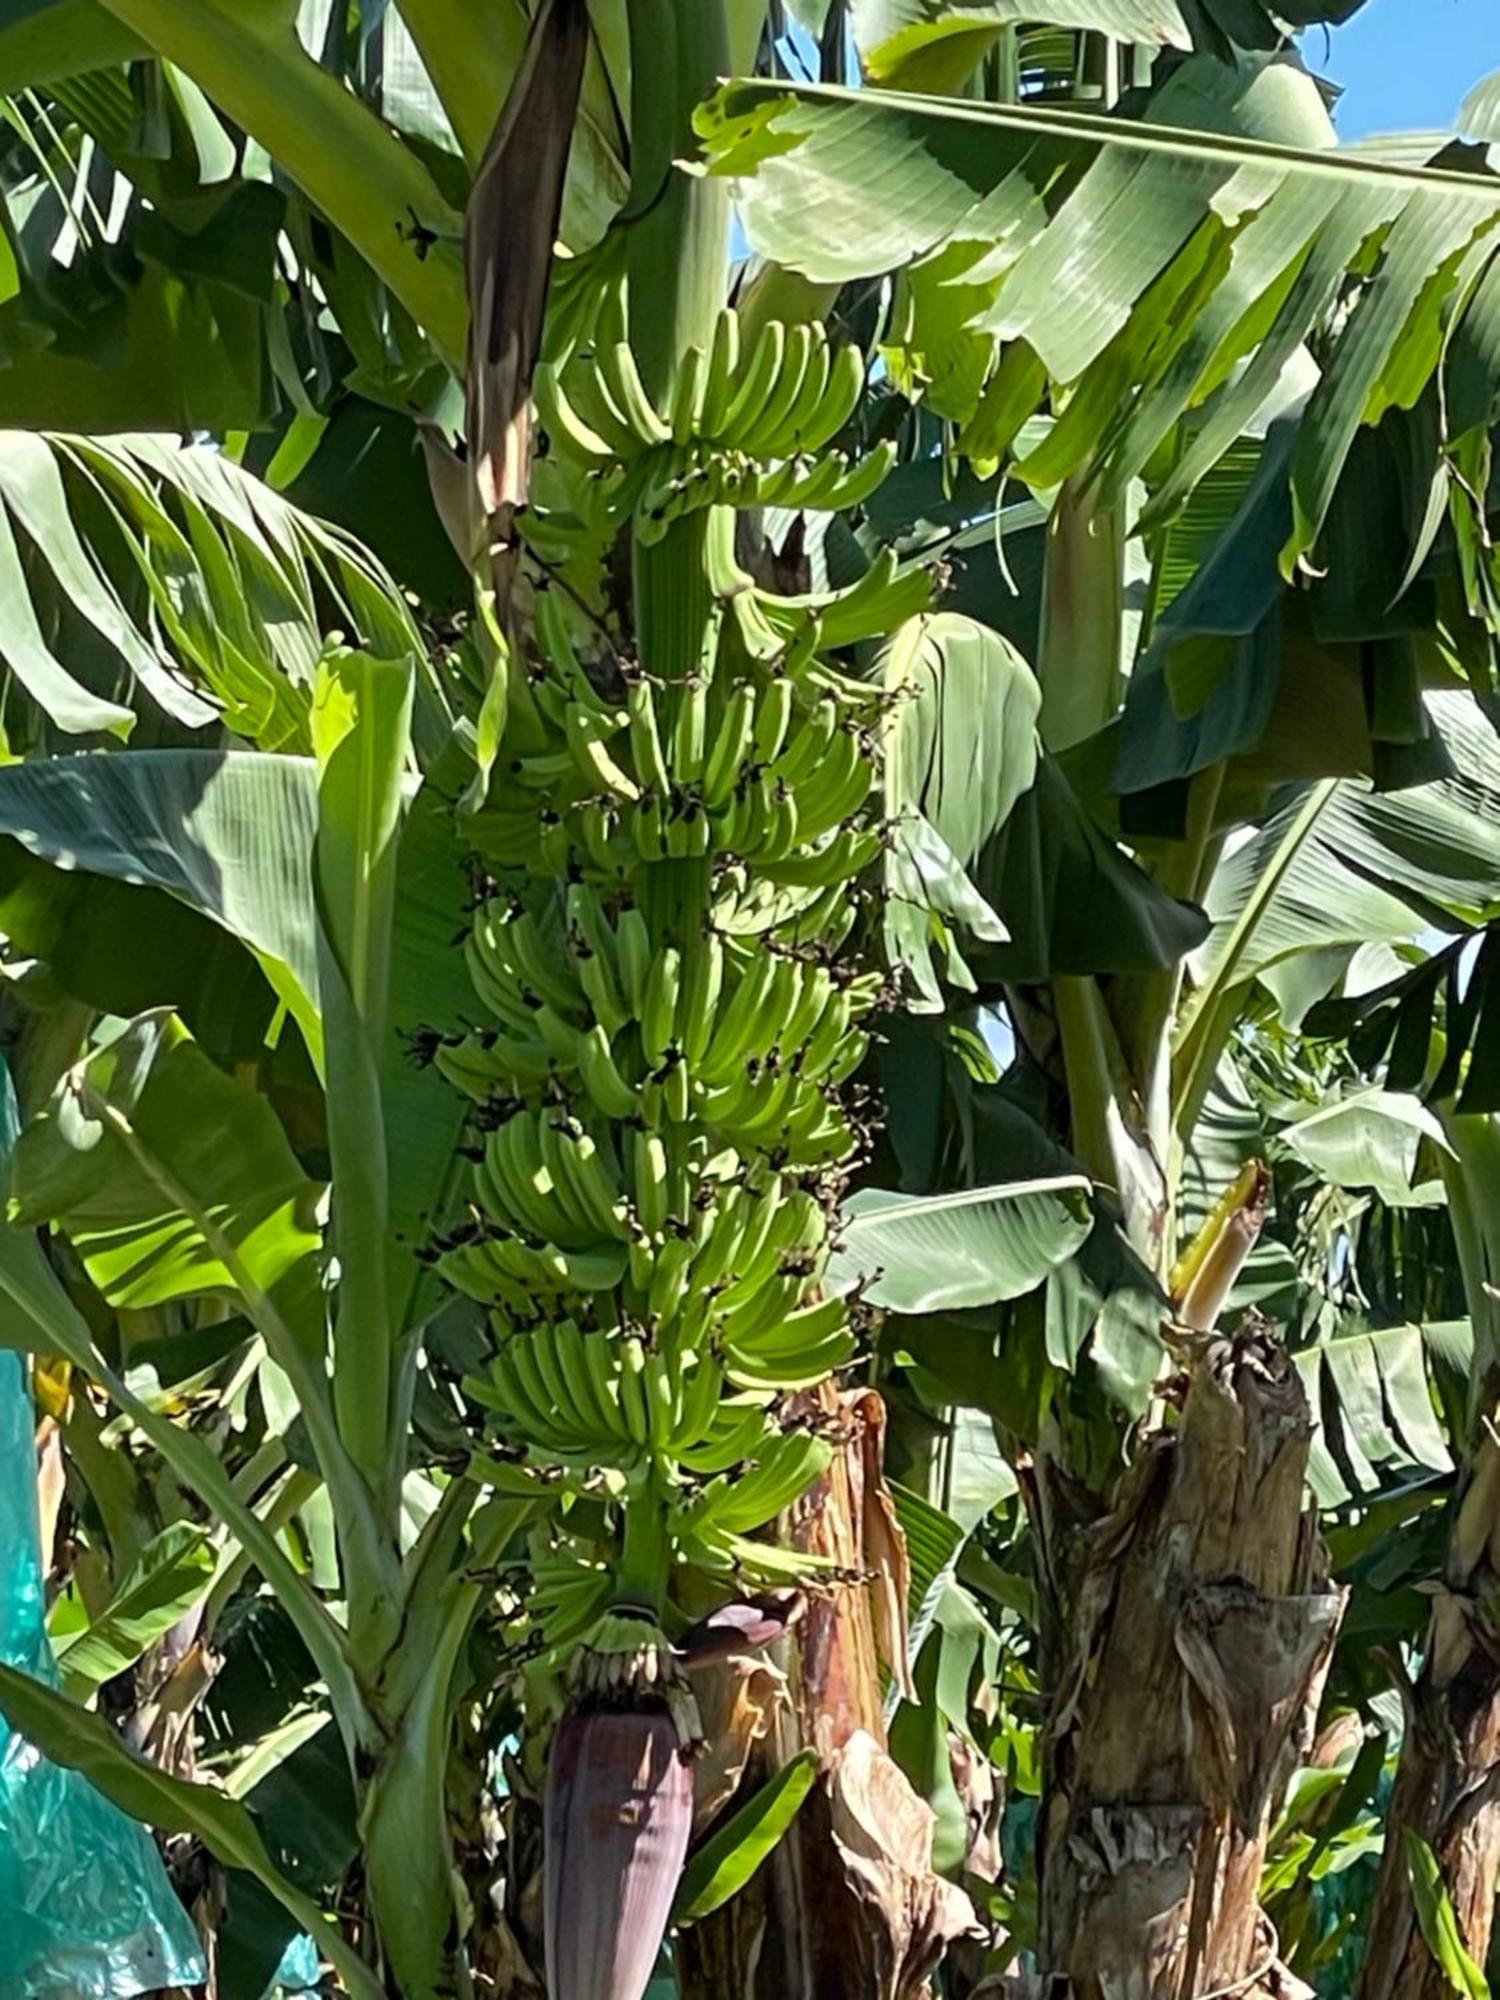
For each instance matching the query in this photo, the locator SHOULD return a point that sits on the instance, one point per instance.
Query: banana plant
(626, 1023)
(163, 1205)
(671, 810)
(1132, 1059)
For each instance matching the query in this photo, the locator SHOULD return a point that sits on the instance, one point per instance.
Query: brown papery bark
(1448, 1786)
(1191, 1670)
(847, 1906)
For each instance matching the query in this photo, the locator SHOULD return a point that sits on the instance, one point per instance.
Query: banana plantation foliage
(749, 1003)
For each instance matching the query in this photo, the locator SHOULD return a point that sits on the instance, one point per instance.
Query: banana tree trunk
(847, 1906)
(1189, 1672)
(1448, 1787)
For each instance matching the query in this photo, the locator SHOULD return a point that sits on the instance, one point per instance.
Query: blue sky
(1406, 63)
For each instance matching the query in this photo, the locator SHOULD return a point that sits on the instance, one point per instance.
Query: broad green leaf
(961, 746)
(1204, 688)
(213, 591)
(1438, 1919)
(731, 1855)
(1370, 1393)
(62, 38)
(171, 1575)
(226, 832)
(932, 1253)
(934, 45)
(1479, 115)
(1419, 263)
(367, 182)
(1341, 864)
(934, 1543)
(977, 1475)
(38, 1317)
(72, 707)
(930, 905)
(472, 55)
(297, 1783)
(919, 1743)
(172, 1180)
(80, 1741)
(946, 167)
(231, 835)
(429, 986)
(1142, 261)
(1072, 900)
(1103, 1312)
(31, 486)
(1369, 1139)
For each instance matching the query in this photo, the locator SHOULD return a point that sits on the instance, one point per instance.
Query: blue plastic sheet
(86, 1910)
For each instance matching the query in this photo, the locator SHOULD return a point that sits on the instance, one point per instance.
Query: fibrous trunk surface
(1448, 1786)
(1197, 1646)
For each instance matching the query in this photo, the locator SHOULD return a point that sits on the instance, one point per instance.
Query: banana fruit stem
(677, 617)
(678, 251)
(646, 1552)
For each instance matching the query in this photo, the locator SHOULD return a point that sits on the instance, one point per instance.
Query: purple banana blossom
(619, 1811)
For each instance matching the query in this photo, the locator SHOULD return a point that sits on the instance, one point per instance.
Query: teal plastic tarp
(86, 1910)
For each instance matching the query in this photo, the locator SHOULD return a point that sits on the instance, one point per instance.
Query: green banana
(595, 764)
(689, 396)
(562, 423)
(600, 1073)
(659, 1010)
(723, 365)
(732, 743)
(812, 387)
(645, 737)
(759, 436)
(690, 728)
(757, 382)
(635, 956)
(621, 381)
(845, 386)
(699, 1005)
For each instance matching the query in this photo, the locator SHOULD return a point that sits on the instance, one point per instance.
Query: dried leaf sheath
(510, 230)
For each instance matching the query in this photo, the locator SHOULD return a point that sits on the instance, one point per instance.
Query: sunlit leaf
(170, 1575)
(930, 1253)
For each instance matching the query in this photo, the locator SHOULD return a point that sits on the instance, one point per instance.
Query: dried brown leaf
(510, 232)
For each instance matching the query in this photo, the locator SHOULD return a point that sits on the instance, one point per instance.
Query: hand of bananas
(744, 430)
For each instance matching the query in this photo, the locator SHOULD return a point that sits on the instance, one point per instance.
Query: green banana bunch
(667, 1022)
